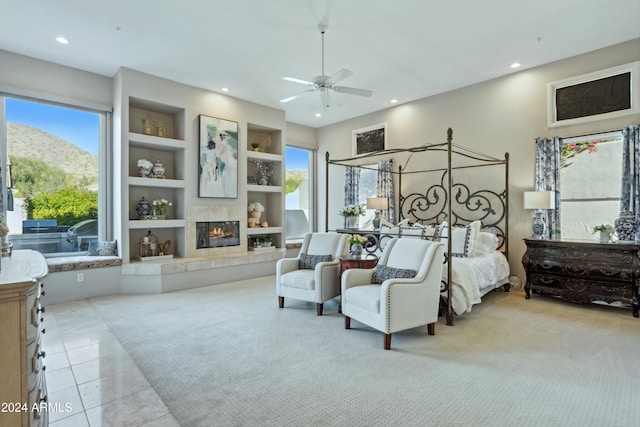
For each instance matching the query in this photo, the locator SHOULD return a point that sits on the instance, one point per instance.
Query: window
(299, 188)
(590, 177)
(368, 187)
(55, 192)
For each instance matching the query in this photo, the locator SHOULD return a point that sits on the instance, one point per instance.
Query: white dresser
(23, 390)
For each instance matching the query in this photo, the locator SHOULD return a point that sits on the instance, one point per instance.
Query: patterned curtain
(351, 185)
(548, 178)
(385, 188)
(630, 194)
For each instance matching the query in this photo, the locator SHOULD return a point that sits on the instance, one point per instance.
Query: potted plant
(351, 214)
(255, 146)
(604, 232)
(357, 241)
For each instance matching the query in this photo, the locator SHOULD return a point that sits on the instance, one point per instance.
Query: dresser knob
(42, 354)
(44, 330)
(42, 293)
(41, 309)
(44, 399)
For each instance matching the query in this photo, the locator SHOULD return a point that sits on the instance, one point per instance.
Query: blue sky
(297, 158)
(77, 127)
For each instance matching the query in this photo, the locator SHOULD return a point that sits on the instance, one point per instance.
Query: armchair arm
(356, 277)
(285, 265)
(326, 274)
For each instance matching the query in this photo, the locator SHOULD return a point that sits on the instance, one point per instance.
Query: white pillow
(486, 242)
(463, 238)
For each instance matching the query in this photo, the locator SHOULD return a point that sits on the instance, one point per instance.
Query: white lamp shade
(539, 200)
(378, 203)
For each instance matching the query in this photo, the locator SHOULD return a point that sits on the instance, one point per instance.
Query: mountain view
(33, 143)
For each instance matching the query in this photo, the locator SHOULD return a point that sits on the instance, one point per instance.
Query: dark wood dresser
(582, 271)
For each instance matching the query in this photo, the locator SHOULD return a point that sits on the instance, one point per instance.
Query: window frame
(313, 199)
(105, 157)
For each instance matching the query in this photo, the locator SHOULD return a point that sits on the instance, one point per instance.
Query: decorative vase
(158, 169)
(604, 236)
(255, 215)
(144, 171)
(356, 248)
(143, 208)
(263, 180)
(626, 226)
(352, 221)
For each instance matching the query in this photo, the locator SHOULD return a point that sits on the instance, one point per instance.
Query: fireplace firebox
(217, 234)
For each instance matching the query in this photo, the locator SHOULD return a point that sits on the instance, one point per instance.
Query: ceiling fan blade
(324, 96)
(342, 74)
(353, 91)
(300, 81)
(291, 98)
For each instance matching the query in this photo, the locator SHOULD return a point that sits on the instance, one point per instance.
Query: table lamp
(379, 204)
(539, 201)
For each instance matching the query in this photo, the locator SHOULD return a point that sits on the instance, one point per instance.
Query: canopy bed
(437, 200)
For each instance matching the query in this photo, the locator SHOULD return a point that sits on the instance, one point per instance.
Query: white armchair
(398, 303)
(313, 274)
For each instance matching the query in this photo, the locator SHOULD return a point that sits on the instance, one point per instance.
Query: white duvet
(475, 276)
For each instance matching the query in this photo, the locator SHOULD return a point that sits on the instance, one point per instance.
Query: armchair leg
(387, 341)
(431, 328)
(319, 308)
(347, 322)
(281, 302)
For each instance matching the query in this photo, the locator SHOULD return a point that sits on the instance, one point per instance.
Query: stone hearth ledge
(81, 262)
(182, 265)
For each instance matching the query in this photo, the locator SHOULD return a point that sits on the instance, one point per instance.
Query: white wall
(492, 117)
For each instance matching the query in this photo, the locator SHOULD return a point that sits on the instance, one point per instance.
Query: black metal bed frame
(445, 200)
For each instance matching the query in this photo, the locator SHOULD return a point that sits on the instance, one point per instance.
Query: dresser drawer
(35, 363)
(38, 399)
(581, 290)
(35, 313)
(590, 271)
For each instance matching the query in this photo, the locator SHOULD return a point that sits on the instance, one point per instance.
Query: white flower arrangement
(255, 207)
(352, 210)
(161, 204)
(264, 168)
(144, 163)
(357, 239)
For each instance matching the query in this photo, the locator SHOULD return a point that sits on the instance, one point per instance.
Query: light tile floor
(91, 379)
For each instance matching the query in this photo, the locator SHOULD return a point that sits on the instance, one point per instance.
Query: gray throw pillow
(103, 248)
(382, 273)
(309, 262)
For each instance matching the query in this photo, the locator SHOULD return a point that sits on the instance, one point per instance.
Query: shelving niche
(169, 148)
(271, 196)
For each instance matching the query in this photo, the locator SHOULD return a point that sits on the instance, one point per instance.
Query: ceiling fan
(324, 83)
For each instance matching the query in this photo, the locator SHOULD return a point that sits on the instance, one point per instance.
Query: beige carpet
(226, 355)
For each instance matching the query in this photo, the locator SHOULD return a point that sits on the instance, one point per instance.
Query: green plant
(607, 228)
(68, 205)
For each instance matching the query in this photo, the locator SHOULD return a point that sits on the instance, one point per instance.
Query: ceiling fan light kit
(324, 84)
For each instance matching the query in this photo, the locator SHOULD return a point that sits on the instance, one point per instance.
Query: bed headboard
(430, 207)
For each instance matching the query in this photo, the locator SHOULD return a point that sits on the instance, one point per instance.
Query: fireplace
(217, 234)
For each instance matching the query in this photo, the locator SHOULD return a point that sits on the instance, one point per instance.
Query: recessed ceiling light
(318, 115)
(62, 40)
(515, 65)
(393, 101)
(225, 89)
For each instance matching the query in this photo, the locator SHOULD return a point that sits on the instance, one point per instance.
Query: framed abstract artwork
(370, 139)
(603, 94)
(218, 158)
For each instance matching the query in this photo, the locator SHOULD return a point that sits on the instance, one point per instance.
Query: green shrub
(68, 205)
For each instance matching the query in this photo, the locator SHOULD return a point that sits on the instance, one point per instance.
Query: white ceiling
(403, 49)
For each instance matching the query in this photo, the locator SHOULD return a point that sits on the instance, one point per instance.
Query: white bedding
(475, 276)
